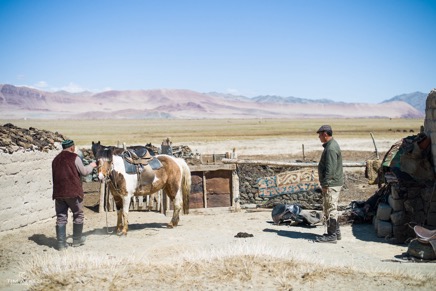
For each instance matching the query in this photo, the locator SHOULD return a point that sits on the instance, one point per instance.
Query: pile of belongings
(364, 211)
(294, 215)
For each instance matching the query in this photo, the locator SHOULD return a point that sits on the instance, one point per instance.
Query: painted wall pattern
(288, 183)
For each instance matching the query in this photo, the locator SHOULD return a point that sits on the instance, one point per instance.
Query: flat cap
(67, 143)
(324, 128)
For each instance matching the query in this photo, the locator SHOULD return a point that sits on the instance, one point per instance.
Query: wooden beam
(290, 164)
(203, 168)
(101, 200)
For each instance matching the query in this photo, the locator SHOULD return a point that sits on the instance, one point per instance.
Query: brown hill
(23, 102)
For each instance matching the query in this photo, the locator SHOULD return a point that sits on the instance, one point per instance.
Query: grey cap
(324, 128)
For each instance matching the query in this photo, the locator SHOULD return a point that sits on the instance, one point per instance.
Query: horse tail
(186, 185)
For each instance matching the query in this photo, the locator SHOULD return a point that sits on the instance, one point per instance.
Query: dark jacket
(66, 177)
(330, 166)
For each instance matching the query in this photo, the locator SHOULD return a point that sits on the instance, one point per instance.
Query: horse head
(104, 156)
(95, 147)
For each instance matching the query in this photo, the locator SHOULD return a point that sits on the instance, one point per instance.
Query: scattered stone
(13, 139)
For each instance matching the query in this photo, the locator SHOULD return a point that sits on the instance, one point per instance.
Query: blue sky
(352, 51)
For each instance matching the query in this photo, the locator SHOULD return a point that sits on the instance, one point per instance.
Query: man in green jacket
(331, 178)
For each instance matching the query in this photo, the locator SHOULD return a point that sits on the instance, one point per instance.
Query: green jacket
(330, 166)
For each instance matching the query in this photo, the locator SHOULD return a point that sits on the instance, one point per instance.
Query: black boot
(61, 236)
(331, 233)
(78, 239)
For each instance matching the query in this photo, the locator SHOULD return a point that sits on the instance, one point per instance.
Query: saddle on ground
(424, 234)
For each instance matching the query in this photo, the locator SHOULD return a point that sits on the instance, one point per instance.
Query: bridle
(105, 174)
(108, 176)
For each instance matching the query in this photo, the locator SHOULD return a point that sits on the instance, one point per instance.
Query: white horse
(173, 177)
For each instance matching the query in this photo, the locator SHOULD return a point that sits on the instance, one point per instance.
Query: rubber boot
(331, 233)
(78, 239)
(61, 236)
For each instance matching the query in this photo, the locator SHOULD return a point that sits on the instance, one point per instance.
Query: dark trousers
(63, 204)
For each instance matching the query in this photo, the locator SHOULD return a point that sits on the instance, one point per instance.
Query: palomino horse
(173, 177)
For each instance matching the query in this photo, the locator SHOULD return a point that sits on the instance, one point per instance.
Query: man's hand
(324, 190)
(93, 164)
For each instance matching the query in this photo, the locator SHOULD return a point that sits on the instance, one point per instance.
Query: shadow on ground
(366, 232)
(293, 234)
(43, 240)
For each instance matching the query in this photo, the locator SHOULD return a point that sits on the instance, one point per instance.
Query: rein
(106, 197)
(106, 180)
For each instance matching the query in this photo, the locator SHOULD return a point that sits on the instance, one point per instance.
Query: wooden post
(204, 190)
(101, 200)
(235, 192)
(110, 202)
(304, 157)
(165, 202)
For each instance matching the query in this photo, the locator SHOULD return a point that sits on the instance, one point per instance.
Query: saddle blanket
(154, 163)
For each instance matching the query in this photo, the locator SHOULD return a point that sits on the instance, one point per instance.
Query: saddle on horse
(137, 156)
(139, 161)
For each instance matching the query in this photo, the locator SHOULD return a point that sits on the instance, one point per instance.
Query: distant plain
(186, 131)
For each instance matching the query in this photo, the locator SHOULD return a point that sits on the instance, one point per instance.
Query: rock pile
(13, 139)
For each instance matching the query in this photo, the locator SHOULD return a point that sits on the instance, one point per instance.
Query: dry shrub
(237, 267)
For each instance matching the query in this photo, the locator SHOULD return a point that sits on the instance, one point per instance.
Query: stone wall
(26, 188)
(412, 199)
(430, 130)
(430, 122)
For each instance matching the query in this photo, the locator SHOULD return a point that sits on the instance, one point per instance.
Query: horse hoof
(170, 225)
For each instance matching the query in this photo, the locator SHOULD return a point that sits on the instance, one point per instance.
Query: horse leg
(178, 203)
(119, 221)
(119, 205)
(125, 213)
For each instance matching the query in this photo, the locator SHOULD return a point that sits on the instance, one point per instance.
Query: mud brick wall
(26, 188)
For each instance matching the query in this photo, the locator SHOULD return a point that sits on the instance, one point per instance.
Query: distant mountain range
(23, 102)
(416, 99)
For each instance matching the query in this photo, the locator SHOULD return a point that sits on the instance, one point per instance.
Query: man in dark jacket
(68, 193)
(331, 178)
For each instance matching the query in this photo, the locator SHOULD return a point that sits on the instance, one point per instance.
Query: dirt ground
(202, 253)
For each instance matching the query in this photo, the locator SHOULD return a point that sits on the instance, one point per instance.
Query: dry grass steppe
(212, 130)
